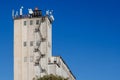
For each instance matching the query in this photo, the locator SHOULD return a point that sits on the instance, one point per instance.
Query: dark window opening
(25, 44)
(31, 43)
(25, 23)
(31, 22)
(37, 22)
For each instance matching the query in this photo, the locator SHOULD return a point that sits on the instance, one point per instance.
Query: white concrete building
(33, 47)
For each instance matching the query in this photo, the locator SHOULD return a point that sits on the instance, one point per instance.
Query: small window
(25, 23)
(37, 22)
(25, 59)
(31, 58)
(31, 22)
(38, 43)
(31, 43)
(25, 44)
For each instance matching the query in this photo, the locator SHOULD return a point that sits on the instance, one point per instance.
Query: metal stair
(37, 52)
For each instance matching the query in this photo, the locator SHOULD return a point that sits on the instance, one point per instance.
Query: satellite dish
(30, 11)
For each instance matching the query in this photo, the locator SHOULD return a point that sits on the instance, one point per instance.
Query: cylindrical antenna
(13, 13)
(16, 14)
(21, 10)
(47, 12)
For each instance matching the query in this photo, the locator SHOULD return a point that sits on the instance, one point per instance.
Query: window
(31, 58)
(31, 22)
(38, 43)
(37, 22)
(31, 43)
(25, 23)
(25, 59)
(25, 44)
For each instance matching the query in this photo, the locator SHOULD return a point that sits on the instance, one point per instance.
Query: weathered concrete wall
(24, 56)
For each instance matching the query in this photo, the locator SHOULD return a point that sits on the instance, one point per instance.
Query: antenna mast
(13, 13)
(21, 11)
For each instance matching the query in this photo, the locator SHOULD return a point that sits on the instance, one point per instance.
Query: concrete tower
(32, 44)
(33, 47)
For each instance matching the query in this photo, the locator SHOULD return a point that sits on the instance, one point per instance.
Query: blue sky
(86, 33)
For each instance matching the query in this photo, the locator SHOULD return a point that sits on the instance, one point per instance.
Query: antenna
(13, 13)
(47, 12)
(21, 10)
(51, 16)
(16, 14)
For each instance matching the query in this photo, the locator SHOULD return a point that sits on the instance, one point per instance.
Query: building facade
(33, 47)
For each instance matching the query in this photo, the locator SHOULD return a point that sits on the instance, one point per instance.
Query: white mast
(13, 13)
(21, 10)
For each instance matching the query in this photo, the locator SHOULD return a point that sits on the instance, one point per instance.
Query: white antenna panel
(52, 17)
(47, 12)
(16, 14)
